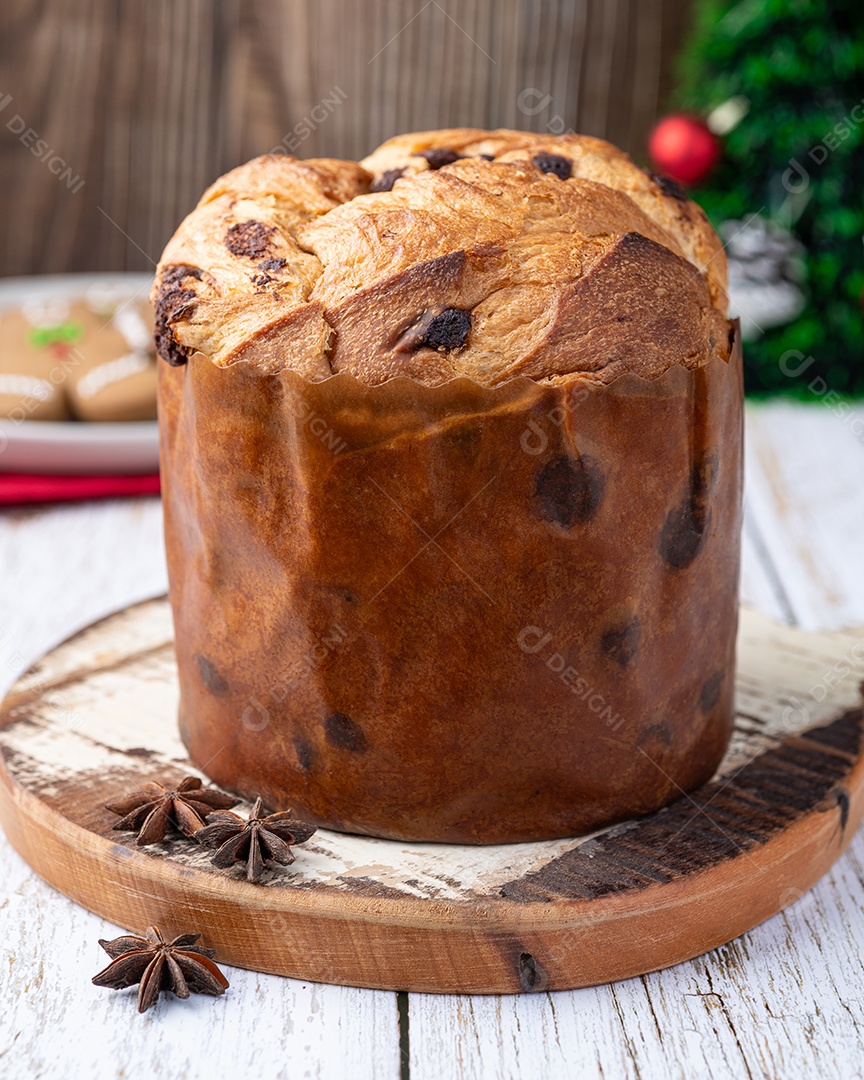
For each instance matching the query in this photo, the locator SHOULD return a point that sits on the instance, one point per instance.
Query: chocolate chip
(305, 753)
(569, 490)
(272, 266)
(670, 188)
(345, 733)
(177, 272)
(710, 693)
(386, 180)
(621, 643)
(683, 534)
(249, 239)
(167, 346)
(448, 330)
(210, 676)
(439, 157)
(686, 524)
(657, 734)
(487, 157)
(554, 163)
(173, 302)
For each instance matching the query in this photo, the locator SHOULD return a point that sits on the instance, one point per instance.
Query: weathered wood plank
(760, 587)
(148, 104)
(66, 566)
(805, 488)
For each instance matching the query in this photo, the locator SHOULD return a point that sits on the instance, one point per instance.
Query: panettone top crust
(446, 254)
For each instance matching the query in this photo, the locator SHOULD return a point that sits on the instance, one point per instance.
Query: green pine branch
(800, 64)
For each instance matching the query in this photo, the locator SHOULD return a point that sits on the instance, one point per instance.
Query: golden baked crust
(557, 256)
(662, 200)
(233, 283)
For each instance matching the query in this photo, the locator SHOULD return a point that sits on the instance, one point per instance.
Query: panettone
(451, 450)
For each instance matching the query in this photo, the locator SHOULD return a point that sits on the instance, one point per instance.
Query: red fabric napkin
(30, 487)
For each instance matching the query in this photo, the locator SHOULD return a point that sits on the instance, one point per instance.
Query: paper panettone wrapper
(460, 613)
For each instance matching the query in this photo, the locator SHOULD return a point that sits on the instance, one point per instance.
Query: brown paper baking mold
(455, 613)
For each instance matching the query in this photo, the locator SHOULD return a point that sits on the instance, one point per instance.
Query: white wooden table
(785, 1001)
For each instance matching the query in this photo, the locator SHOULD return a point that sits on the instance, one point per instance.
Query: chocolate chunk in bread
(621, 643)
(172, 301)
(448, 330)
(670, 188)
(272, 266)
(343, 732)
(569, 490)
(249, 239)
(305, 753)
(686, 525)
(438, 157)
(210, 676)
(709, 695)
(386, 180)
(555, 164)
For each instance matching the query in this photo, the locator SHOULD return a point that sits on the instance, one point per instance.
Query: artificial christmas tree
(792, 174)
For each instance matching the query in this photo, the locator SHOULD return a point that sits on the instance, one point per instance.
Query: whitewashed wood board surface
(786, 1000)
(100, 711)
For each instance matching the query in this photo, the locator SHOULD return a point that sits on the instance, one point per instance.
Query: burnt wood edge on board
(636, 898)
(721, 820)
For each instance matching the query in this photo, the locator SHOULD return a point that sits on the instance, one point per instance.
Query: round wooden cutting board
(96, 718)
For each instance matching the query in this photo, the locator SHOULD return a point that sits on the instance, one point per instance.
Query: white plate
(42, 446)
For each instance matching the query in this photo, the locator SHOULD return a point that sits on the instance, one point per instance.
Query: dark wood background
(147, 101)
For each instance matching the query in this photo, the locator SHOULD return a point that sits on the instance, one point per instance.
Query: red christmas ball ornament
(684, 147)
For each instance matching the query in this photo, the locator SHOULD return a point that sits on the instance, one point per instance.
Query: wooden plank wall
(134, 107)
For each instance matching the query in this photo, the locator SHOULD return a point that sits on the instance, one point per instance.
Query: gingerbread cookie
(37, 344)
(116, 379)
(89, 359)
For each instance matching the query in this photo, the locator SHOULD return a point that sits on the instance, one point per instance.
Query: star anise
(157, 964)
(153, 808)
(259, 840)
